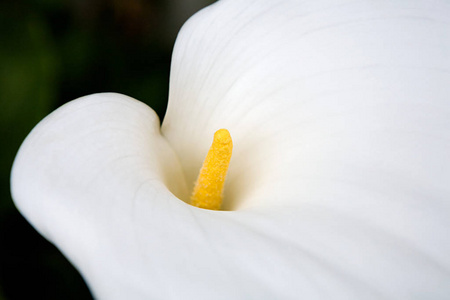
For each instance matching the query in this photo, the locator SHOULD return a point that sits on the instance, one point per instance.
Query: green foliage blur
(52, 52)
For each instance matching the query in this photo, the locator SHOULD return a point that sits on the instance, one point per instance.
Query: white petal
(325, 79)
(79, 176)
(339, 115)
(340, 107)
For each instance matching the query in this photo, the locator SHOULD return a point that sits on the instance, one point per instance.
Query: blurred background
(54, 51)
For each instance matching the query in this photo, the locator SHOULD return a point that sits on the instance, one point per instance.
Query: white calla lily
(339, 182)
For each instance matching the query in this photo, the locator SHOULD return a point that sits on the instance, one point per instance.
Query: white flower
(339, 182)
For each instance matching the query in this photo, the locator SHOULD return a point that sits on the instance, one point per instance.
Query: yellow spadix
(208, 190)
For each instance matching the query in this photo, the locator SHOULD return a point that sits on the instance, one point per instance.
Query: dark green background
(52, 52)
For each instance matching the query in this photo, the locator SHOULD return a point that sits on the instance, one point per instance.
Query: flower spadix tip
(222, 136)
(208, 189)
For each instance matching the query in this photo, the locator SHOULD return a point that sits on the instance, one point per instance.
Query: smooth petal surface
(307, 86)
(341, 107)
(339, 181)
(79, 179)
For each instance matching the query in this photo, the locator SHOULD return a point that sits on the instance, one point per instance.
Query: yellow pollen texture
(208, 190)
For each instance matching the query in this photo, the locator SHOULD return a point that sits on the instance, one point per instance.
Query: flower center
(208, 190)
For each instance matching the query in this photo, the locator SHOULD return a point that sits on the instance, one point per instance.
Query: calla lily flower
(338, 187)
